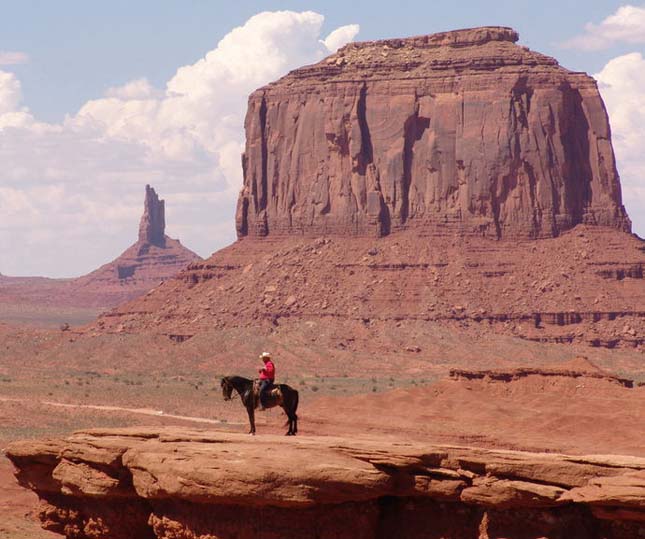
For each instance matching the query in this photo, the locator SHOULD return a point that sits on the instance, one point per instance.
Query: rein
(235, 392)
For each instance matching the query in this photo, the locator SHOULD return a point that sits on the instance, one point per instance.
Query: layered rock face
(179, 483)
(585, 286)
(462, 131)
(152, 228)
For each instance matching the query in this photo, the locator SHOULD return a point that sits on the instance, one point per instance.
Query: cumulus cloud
(12, 113)
(135, 89)
(341, 36)
(622, 85)
(71, 193)
(9, 58)
(626, 25)
(10, 93)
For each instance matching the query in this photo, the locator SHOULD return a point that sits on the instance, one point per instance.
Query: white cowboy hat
(265, 355)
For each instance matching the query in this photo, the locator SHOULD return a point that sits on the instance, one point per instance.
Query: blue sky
(89, 120)
(79, 48)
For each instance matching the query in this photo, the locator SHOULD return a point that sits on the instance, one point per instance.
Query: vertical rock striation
(152, 227)
(142, 266)
(462, 131)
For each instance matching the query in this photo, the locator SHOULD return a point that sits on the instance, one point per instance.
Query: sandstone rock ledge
(179, 483)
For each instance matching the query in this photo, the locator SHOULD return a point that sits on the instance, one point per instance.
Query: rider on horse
(267, 377)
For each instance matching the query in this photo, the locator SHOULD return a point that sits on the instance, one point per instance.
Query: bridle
(229, 389)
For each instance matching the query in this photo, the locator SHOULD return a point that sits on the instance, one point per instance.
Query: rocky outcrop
(177, 483)
(579, 368)
(460, 132)
(152, 228)
(566, 290)
(154, 258)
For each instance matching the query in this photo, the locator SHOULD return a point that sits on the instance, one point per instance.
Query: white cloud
(626, 25)
(8, 58)
(341, 36)
(73, 192)
(622, 85)
(12, 113)
(135, 89)
(10, 93)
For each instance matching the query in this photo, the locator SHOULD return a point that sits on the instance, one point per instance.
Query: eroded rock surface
(586, 286)
(152, 227)
(462, 131)
(440, 146)
(181, 483)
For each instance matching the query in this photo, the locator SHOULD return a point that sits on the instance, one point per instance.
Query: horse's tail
(295, 405)
(293, 400)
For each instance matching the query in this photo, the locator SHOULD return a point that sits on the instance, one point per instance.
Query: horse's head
(227, 389)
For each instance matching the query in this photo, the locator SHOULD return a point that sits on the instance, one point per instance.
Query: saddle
(272, 397)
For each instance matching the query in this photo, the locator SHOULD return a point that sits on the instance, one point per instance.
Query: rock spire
(152, 228)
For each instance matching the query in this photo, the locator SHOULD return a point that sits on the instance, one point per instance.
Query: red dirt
(583, 287)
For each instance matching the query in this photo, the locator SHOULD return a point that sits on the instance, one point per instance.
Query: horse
(286, 397)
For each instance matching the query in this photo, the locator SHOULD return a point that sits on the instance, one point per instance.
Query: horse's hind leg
(289, 419)
(293, 423)
(251, 412)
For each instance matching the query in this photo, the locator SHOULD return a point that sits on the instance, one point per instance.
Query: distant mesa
(455, 178)
(154, 258)
(461, 132)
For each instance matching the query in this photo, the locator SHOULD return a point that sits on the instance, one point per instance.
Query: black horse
(285, 396)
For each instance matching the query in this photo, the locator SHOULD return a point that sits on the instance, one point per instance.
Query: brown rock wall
(458, 132)
(152, 227)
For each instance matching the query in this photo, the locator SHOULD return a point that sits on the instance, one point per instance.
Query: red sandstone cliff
(185, 484)
(464, 136)
(460, 131)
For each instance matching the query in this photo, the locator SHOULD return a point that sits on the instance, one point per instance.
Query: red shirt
(268, 372)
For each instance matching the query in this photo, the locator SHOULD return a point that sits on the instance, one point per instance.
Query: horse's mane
(237, 379)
